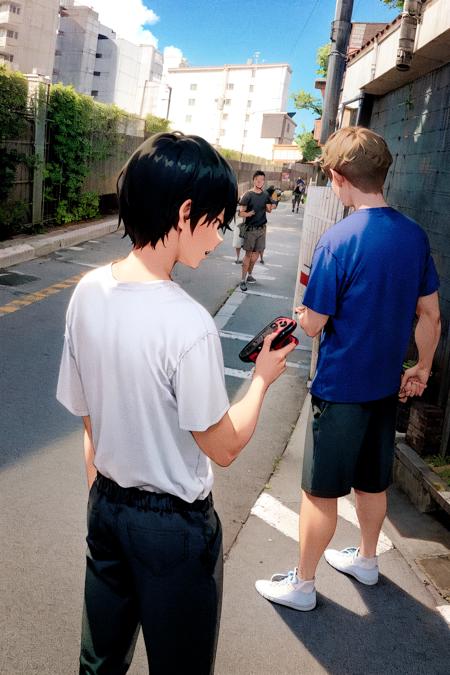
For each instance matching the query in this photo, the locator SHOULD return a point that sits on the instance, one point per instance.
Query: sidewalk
(399, 626)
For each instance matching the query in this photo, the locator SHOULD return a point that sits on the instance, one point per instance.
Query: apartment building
(240, 107)
(96, 62)
(28, 35)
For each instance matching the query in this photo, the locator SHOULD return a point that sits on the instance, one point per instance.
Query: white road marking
(74, 248)
(347, 511)
(81, 264)
(231, 335)
(272, 252)
(444, 611)
(265, 295)
(241, 374)
(283, 519)
(93, 241)
(275, 514)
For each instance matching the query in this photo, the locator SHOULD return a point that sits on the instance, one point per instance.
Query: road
(42, 481)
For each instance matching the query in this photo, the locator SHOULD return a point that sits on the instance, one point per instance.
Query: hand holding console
(282, 327)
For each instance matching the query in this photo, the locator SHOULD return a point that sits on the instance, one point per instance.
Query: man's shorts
(349, 445)
(255, 240)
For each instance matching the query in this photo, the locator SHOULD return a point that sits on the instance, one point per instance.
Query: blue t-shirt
(367, 274)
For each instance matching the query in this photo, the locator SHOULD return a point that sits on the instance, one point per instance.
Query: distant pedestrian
(142, 364)
(237, 240)
(255, 204)
(372, 273)
(297, 194)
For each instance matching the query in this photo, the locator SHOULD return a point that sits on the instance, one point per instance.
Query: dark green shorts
(351, 446)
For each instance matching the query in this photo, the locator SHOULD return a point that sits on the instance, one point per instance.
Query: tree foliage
(394, 4)
(154, 125)
(81, 133)
(308, 145)
(305, 101)
(13, 110)
(323, 54)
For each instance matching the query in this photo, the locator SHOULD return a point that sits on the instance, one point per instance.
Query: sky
(218, 32)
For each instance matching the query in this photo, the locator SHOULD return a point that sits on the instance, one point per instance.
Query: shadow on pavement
(398, 634)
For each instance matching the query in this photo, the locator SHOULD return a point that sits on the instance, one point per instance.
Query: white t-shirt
(144, 360)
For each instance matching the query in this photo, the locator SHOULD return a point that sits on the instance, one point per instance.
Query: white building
(28, 35)
(96, 62)
(240, 107)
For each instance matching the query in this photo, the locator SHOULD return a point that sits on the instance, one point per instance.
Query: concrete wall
(415, 121)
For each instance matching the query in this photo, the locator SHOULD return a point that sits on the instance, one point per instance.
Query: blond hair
(358, 154)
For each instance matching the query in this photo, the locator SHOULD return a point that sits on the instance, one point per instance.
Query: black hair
(165, 171)
(258, 173)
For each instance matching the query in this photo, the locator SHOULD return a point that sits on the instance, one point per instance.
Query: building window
(6, 57)
(193, 87)
(97, 73)
(227, 101)
(247, 117)
(251, 88)
(188, 118)
(94, 92)
(98, 56)
(191, 101)
(225, 116)
(12, 34)
(249, 104)
(102, 37)
(222, 132)
(15, 9)
(230, 85)
(245, 133)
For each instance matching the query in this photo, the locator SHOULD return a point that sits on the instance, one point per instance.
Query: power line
(304, 27)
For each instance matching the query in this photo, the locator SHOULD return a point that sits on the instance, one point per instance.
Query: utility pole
(340, 35)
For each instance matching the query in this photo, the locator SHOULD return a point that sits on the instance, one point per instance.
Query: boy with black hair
(255, 204)
(142, 364)
(371, 274)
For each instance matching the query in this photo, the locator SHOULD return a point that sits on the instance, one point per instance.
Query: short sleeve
(324, 283)
(70, 389)
(199, 384)
(430, 279)
(245, 199)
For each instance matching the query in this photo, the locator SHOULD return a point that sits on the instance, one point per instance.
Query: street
(42, 483)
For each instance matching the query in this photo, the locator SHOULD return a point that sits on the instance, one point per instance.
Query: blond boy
(372, 273)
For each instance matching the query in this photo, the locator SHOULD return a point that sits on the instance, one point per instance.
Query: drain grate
(15, 278)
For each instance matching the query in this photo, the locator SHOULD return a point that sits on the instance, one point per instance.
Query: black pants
(153, 561)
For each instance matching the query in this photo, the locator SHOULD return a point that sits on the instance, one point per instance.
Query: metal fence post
(38, 92)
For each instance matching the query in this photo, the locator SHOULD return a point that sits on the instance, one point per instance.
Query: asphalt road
(42, 482)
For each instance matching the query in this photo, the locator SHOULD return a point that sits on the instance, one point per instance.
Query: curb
(424, 487)
(43, 244)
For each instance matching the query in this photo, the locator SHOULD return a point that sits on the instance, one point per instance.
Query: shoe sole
(251, 282)
(355, 576)
(286, 603)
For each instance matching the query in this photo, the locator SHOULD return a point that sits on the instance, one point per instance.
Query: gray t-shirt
(256, 201)
(144, 360)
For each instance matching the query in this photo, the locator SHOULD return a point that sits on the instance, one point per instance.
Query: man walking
(255, 204)
(371, 274)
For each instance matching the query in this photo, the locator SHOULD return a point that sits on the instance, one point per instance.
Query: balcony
(11, 16)
(8, 38)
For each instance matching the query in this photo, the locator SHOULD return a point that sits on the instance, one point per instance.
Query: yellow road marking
(26, 300)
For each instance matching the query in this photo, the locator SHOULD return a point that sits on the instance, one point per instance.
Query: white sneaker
(289, 591)
(350, 562)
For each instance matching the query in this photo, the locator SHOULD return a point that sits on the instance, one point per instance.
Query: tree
(394, 4)
(305, 101)
(323, 54)
(308, 145)
(153, 125)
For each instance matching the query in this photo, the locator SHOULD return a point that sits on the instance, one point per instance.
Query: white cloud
(128, 18)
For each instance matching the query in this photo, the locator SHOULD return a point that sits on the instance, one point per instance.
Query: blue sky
(212, 32)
